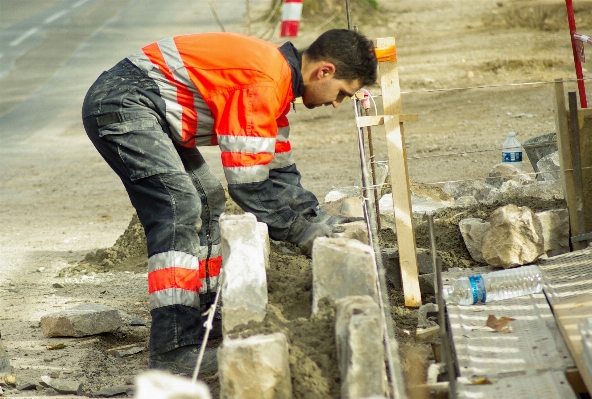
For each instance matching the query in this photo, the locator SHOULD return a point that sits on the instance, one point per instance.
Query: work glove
(315, 230)
(341, 219)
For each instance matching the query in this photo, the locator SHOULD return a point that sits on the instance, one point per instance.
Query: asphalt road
(51, 51)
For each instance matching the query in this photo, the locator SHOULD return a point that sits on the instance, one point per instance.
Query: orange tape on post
(386, 54)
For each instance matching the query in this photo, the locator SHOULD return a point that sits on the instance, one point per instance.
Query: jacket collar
(291, 55)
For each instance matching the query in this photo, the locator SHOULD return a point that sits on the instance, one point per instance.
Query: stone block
(341, 267)
(466, 201)
(390, 261)
(80, 321)
(263, 233)
(61, 385)
(472, 230)
(343, 192)
(545, 190)
(514, 238)
(352, 207)
(255, 367)
(360, 349)
(555, 224)
(476, 188)
(419, 206)
(160, 384)
(355, 230)
(5, 367)
(244, 260)
(503, 172)
(548, 167)
(426, 283)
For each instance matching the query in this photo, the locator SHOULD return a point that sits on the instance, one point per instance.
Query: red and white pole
(291, 12)
(578, 64)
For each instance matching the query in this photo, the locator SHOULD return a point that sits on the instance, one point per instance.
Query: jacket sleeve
(285, 175)
(246, 132)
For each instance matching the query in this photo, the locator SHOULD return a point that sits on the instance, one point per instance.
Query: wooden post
(574, 130)
(565, 162)
(397, 159)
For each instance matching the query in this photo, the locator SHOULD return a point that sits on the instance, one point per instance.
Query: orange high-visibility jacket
(234, 91)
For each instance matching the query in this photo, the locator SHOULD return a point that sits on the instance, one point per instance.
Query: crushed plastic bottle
(495, 286)
(512, 151)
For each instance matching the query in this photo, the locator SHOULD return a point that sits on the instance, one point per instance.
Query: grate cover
(568, 275)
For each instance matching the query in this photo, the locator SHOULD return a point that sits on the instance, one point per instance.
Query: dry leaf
(500, 324)
(481, 381)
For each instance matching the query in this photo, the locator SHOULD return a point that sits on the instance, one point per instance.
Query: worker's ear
(325, 70)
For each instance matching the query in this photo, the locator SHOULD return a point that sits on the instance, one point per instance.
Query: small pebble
(58, 285)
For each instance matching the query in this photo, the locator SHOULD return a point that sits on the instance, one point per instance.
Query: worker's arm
(246, 131)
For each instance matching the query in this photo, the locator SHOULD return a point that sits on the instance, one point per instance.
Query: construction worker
(148, 114)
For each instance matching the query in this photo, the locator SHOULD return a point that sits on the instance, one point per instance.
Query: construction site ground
(60, 201)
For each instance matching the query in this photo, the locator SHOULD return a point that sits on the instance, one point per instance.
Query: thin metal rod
(347, 9)
(574, 46)
(373, 167)
(390, 342)
(444, 338)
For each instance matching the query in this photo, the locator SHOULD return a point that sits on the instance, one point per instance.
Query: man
(147, 115)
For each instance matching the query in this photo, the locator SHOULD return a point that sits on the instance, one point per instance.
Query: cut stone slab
(81, 321)
(343, 192)
(549, 168)
(355, 230)
(360, 349)
(162, 385)
(475, 188)
(514, 238)
(263, 233)
(503, 172)
(244, 261)
(61, 385)
(255, 367)
(341, 267)
(472, 230)
(555, 224)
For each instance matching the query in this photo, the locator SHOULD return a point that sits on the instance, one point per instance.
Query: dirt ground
(62, 204)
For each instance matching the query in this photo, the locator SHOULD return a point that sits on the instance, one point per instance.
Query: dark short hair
(352, 54)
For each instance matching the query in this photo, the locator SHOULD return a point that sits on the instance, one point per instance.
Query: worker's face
(324, 89)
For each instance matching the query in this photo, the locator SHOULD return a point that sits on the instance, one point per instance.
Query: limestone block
(509, 185)
(472, 230)
(548, 167)
(514, 238)
(343, 192)
(360, 350)
(555, 224)
(545, 190)
(263, 233)
(80, 321)
(163, 385)
(503, 172)
(245, 283)
(352, 206)
(255, 367)
(341, 267)
(355, 230)
(61, 385)
(476, 188)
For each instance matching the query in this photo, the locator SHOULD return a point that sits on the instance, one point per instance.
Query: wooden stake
(574, 130)
(397, 159)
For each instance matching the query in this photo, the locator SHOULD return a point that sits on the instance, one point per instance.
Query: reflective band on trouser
(240, 167)
(291, 11)
(176, 278)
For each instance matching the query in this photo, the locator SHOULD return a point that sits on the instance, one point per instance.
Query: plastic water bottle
(495, 286)
(512, 151)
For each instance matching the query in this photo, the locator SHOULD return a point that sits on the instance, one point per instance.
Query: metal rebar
(347, 9)
(390, 342)
(373, 167)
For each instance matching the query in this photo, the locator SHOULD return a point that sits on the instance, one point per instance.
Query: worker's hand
(314, 231)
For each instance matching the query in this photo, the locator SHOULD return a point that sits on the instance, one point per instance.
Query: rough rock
(476, 188)
(351, 206)
(419, 206)
(341, 267)
(162, 385)
(26, 386)
(5, 366)
(126, 350)
(549, 168)
(514, 238)
(466, 201)
(355, 230)
(426, 283)
(80, 321)
(503, 172)
(112, 391)
(360, 350)
(61, 386)
(390, 260)
(255, 367)
(555, 224)
(339, 193)
(472, 230)
(544, 190)
(244, 262)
